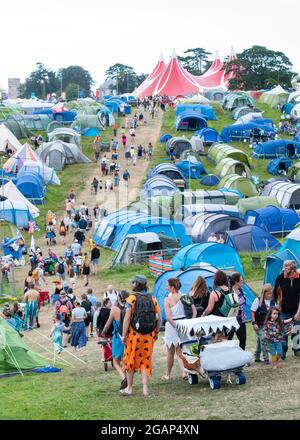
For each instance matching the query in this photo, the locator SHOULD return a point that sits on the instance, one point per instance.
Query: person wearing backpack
(140, 329)
(177, 306)
(222, 301)
(116, 317)
(88, 307)
(61, 269)
(63, 231)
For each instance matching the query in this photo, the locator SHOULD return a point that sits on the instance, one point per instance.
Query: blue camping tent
(276, 148)
(29, 184)
(210, 180)
(240, 132)
(91, 131)
(190, 120)
(116, 226)
(158, 185)
(276, 166)
(208, 135)
(165, 137)
(187, 279)
(112, 106)
(169, 170)
(191, 170)
(287, 108)
(251, 239)
(220, 255)
(273, 219)
(205, 110)
(15, 212)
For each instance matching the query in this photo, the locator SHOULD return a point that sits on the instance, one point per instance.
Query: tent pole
(60, 361)
(12, 357)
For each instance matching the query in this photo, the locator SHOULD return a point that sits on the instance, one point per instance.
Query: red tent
(216, 65)
(151, 80)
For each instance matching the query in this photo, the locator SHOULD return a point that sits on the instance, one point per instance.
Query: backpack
(35, 274)
(87, 305)
(230, 306)
(77, 217)
(144, 316)
(61, 268)
(187, 305)
(64, 311)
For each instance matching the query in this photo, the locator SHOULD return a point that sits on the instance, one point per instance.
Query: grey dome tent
(167, 169)
(66, 135)
(180, 144)
(57, 154)
(209, 223)
(158, 185)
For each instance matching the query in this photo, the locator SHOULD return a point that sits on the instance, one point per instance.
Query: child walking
(259, 310)
(273, 333)
(57, 334)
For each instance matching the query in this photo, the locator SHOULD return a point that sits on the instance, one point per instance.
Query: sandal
(123, 384)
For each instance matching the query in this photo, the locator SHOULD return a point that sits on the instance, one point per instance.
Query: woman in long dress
(174, 311)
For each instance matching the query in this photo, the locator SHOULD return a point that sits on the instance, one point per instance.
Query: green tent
(237, 99)
(153, 207)
(294, 172)
(242, 184)
(274, 97)
(219, 151)
(257, 202)
(15, 356)
(231, 166)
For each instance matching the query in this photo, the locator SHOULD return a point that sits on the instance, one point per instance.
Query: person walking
(78, 333)
(126, 177)
(116, 318)
(174, 310)
(287, 296)
(140, 330)
(95, 255)
(86, 268)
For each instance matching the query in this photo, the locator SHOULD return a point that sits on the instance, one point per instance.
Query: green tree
(72, 91)
(259, 68)
(196, 60)
(124, 77)
(41, 81)
(75, 75)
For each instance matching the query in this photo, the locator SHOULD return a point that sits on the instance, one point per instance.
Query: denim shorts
(275, 348)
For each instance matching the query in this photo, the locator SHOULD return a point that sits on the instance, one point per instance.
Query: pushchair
(49, 266)
(207, 353)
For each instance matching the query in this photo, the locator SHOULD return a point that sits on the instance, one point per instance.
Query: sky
(96, 34)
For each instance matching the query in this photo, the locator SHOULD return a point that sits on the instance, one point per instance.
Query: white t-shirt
(113, 296)
(255, 304)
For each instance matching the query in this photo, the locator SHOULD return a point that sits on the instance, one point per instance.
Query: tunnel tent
(237, 99)
(190, 120)
(276, 149)
(208, 223)
(158, 185)
(197, 145)
(242, 184)
(167, 169)
(17, 127)
(219, 151)
(242, 132)
(116, 226)
(58, 154)
(231, 166)
(219, 255)
(256, 202)
(15, 212)
(208, 136)
(191, 170)
(204, 110)
(251, 238)
(187, 210)
(180, 144)
(11, 192)
(274, 97)
(244, 110)
(151, 207)
(66, 135)
(286, 193)
(83, 123)
(273, 219)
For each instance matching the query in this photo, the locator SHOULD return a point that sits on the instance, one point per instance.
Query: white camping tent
(11, 192)
(9, 139)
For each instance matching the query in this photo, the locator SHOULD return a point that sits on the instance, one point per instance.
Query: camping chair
(256, 261)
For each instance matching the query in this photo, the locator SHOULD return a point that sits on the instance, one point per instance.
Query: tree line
(255, 68)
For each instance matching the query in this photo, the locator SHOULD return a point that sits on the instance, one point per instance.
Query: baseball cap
(139, 279)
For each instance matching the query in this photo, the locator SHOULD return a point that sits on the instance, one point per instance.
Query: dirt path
(119, 198)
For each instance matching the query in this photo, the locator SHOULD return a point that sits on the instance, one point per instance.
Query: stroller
(49, 266)
(207, 353)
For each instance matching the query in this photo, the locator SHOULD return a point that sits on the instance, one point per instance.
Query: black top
(102, 320)
(287, 293)
(201, 303)
(219, 303)
(95, 253)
